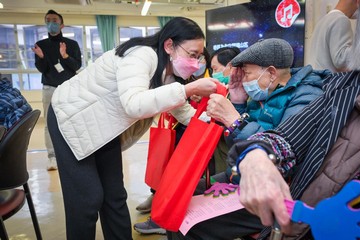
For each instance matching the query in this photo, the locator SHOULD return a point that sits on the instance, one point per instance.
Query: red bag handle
(161, 122)
(220, 89)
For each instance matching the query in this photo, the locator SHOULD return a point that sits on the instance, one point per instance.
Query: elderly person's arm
(263, 161)
(263, 186)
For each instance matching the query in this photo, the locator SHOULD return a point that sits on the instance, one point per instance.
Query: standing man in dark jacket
(57, 58)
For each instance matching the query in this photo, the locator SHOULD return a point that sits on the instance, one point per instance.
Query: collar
(336, 10)
(56, 38)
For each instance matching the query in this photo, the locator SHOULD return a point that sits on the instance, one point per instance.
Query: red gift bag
(184, 169)
(161, 147)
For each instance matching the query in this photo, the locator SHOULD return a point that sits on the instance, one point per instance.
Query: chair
(2, 131)
(13, 172)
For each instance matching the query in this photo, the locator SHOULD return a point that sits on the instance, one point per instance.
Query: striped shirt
(313, 131)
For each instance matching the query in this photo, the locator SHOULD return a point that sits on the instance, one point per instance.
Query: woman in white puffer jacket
(89, 112)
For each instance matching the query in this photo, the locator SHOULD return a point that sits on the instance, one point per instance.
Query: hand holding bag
(161, 147)
(185, 168)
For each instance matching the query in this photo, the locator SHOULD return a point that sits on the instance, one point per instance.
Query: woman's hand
(236, 89)
(263, 189)
(201, 87)
(195, 98)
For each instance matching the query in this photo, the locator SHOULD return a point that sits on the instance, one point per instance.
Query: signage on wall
(242, 25)
(286, 13)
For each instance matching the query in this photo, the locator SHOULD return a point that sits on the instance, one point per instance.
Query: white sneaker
(52, 165)
(145, 207)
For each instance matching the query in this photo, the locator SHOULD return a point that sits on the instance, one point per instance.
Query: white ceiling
(186, 8)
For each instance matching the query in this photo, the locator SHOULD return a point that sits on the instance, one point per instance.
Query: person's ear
(169, 46)
(273, 71)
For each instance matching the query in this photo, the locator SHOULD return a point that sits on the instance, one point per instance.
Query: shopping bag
(161, 147)
(184, 169)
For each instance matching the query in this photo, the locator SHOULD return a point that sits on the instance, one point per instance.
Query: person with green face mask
(220, 63)
(220, 66)
(57, 58)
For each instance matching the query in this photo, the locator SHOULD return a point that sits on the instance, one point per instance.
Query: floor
(46, 192)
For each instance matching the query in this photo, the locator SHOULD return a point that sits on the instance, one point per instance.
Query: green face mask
(220, 76)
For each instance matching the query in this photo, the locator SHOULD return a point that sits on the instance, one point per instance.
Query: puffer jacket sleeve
(133, 74)
(303, 96)
(239, 135)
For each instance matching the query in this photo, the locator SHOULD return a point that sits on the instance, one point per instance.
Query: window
(17, 60)
(8, 59)
(93, 44)
(129, 32)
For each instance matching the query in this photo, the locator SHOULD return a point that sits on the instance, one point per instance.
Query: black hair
(178, 29)
(225, 54)
(53, 12)
(207, 58)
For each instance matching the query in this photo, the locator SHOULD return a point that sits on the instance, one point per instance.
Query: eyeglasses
(193, 55)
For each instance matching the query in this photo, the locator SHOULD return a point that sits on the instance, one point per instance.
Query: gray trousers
(92, 187)
(47, 93)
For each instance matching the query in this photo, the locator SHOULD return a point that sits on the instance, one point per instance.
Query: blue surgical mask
(53, 27)
(201, 71)
(253, 89)
(220, 76)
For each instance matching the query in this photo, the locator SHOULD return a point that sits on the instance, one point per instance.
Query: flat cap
(266, 52)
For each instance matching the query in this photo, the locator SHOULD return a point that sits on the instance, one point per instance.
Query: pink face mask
(184, 67)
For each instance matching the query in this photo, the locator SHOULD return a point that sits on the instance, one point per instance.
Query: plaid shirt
(12, 104)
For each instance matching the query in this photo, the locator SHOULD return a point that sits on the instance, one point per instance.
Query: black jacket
(51, 50)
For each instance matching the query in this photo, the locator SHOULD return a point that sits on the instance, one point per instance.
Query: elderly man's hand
(263, 189)
(236, 89)
(221, 109)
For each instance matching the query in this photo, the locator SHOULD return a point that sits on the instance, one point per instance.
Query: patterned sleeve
(281, 148)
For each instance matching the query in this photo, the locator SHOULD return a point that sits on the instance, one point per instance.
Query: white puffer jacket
(107, 97)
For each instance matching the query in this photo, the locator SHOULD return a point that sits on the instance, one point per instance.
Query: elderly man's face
(254, 72)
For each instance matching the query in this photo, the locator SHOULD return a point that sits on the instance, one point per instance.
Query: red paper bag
(184, 169)
(161, 147)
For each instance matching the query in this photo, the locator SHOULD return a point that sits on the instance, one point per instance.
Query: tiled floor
(47, 197)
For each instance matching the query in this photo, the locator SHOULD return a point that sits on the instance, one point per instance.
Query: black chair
(13, 172)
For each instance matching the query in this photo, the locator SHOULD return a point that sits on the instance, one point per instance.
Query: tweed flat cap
(266, 52)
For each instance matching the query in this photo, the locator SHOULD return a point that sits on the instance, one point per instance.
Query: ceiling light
(145, 8)
(1, 5)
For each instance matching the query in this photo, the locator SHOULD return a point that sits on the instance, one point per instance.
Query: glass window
(28, 35)
(130, 32)
(17, 60)
(31, 81)
(93, 44)
(75, 33)
(152, 30)
(8, 59)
